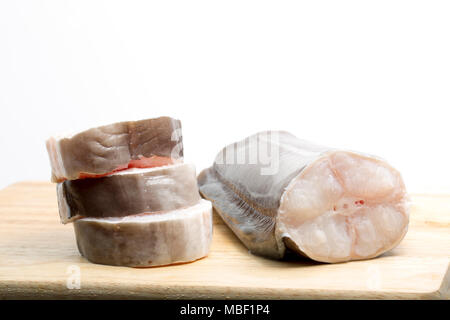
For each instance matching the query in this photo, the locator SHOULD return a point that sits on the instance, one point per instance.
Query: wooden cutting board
(39, 259)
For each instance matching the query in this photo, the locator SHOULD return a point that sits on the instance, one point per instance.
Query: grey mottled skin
(246, 199)
(161, 239)
(103, 149)
(144, 190)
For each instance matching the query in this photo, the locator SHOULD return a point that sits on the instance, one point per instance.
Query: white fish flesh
(329, 205)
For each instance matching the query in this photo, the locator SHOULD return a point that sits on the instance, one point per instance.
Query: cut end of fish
(344, 206)
(147, 240)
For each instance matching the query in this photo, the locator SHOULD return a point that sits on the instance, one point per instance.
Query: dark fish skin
(153, 240)
(247, 200)
(141, 191)
(103, 149)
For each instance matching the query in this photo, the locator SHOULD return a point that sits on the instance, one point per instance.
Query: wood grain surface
(39, 260)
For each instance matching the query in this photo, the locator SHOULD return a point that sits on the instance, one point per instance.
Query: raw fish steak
(153, 239)
(129, 192)
(276, 191)
(118, 146)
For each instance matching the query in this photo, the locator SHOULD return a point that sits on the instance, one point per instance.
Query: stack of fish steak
(132, 199)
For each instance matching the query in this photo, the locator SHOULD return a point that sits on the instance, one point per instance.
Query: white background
(372, 76)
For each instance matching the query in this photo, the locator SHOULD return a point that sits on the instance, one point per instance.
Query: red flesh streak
(143, 162)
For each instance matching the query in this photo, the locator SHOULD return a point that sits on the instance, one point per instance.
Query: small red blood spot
(361, 201)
